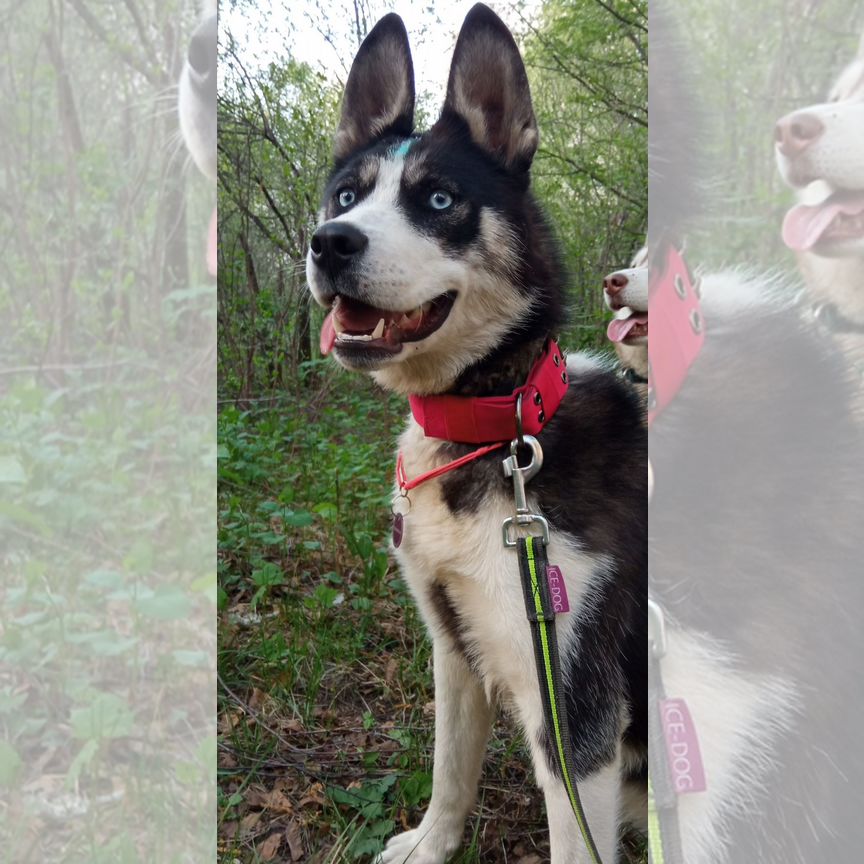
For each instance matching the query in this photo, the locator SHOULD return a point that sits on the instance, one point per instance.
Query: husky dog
(197, 106)
(820, 152)
(625, 292)
(441, 277)
(754, 552)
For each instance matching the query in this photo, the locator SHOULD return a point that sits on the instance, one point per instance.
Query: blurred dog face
(820, 152)
(197, 93)
(197, 108)
(625, 292)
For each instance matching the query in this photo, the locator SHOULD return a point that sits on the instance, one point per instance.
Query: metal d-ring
(520, 435)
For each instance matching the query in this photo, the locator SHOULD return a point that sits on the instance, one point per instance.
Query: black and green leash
(664, 831)
(541, 614)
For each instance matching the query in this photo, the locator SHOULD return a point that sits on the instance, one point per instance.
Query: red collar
(677, 330)
(482, 419)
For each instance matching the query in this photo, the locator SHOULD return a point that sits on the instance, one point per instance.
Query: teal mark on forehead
(403, 148)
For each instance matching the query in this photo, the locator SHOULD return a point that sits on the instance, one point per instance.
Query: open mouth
(628, 325)
(358, 327)
(840, 217)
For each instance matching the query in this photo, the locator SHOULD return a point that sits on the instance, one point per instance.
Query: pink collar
(483, 419)
(677, 330)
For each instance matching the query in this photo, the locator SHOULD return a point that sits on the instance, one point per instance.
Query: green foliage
(588, 69)
(751, 64)
(587, 63)
(274, 150)
(102, 624)
(106, 440)
(302, 550)
(368, 804)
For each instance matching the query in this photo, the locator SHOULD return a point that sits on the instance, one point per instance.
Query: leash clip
(656, 629)
(520, 476)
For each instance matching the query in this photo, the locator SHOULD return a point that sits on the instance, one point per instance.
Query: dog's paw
(421, 846)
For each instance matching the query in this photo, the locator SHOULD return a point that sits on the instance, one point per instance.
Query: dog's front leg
(599, 793)
(463, 719)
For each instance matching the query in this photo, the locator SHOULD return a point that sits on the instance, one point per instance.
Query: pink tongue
(211, 245)
(357, 317)
(805, 224)
(619, 327)
(328, 335)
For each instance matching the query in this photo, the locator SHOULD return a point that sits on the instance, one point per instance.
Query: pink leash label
(682, 747)
(557, 589)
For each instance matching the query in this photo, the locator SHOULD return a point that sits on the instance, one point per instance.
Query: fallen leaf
(268, 849)
(256, 797)
(295, 841)
(249, 821)
(314, 795)
(278, 802)
(227, 760)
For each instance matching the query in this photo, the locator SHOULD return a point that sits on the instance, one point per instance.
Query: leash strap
(538, 605)
(664, 834)
(406, 485)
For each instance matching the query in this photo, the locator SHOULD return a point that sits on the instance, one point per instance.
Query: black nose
(202, 53)
(796, 132)
(337, 244)
(615, 284)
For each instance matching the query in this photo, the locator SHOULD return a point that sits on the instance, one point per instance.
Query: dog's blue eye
(440, 200)
(346, 197)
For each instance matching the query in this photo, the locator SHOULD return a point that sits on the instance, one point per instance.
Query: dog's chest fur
(466, 582)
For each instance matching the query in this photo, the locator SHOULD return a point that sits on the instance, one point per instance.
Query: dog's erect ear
(379, 95)
(488, 89)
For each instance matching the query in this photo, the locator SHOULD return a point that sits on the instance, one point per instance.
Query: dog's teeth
(378, 332)
(623, 312)
(337, 326)
(425, 307)
(414, 314)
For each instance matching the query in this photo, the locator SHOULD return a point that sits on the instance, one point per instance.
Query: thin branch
(102, 34)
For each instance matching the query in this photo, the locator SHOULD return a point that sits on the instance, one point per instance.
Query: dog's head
(197, 106)
(820, 152)
(430, 250)
(625, 292)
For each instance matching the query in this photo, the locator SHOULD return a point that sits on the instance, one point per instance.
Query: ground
(325, 686)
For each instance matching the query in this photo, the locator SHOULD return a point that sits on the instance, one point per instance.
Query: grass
(325, 696)
(107, 744)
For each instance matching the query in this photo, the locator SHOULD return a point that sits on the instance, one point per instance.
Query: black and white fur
(491, 252)
(754, 550)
